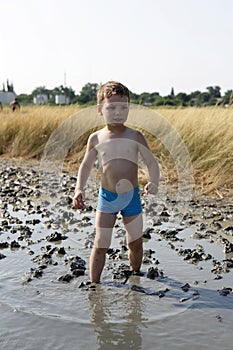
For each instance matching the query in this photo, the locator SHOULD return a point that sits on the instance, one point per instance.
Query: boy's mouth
(117, 120)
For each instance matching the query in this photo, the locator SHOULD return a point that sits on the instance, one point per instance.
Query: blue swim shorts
(127, 203)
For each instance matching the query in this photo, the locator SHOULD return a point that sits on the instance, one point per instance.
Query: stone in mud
(78, 263)
(147, 233)
(56, 236)
(228, 263)
(114, 254)
(4, 245)
(33, 221)
(153, 272)
(165, 213)
(170, 234)
(122, 271)
(170, 245)
(2, 256)
(148, 253)
(185, 287)
(161, 293)
(66, 278)
(228, 248)
(37, 273)
(225, 291)
(219, 318)
(14, 245)
(44, 259)
(218, 277)
(61, 251)
(78, 272)
(120, 233)
(229, 229)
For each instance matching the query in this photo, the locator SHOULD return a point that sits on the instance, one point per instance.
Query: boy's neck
(116, 128)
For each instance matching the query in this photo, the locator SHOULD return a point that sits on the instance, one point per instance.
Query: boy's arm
(83, 173)
(151, 163)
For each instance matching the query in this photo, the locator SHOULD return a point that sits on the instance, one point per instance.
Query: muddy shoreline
(45, 246)
(21, 191)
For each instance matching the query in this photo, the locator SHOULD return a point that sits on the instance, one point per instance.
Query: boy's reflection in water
(117, 317)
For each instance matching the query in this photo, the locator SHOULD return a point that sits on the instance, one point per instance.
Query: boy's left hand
(151, 188)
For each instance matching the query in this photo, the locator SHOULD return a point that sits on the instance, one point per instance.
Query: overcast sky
(149, 45)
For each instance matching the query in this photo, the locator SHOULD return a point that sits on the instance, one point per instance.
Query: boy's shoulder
(93, 138)
(135, 132)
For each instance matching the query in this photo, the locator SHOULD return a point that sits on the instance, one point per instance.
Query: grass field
(206, 132)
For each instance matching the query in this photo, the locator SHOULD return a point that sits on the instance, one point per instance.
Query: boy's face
(115, 110)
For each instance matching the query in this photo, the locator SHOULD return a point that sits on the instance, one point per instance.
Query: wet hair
(111, 88)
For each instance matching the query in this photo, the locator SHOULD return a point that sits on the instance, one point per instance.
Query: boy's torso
(118, 159)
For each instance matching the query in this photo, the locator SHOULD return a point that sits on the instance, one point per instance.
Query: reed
(206, 132)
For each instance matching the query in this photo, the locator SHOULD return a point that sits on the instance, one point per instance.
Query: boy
(117, 147)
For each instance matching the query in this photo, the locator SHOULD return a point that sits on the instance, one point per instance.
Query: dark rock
(225, 291)
(14, 245)
(185, 287)
(153, 272)
(78, 272)
(66, 278)
(4, 245)
(61, 251)
(56, 236)
(2, 256)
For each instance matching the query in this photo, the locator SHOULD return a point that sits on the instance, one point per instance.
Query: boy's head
(113, 102)
(111, 88)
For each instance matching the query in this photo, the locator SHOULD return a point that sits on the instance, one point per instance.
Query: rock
(225, 291)
(56, 236)
(14, 245)
(61, 251)
(4, 245)
(153, 272)
(66, 278)
(185, 287)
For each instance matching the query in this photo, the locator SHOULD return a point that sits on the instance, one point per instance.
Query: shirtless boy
(117, 147)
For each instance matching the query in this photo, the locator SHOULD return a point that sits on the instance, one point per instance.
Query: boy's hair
(111, 88)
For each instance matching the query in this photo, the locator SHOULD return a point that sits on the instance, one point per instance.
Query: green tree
(148, 98)
(172, 94)
(228, 96)
(214, 91)
(182, 99)
(25, 99)
(133, 97)
(88, 94)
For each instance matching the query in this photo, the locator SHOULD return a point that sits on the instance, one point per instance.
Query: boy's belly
(119, 176)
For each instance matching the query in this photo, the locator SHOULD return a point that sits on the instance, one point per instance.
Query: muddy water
(184, 306)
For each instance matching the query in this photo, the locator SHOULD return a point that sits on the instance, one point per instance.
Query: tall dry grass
(208, 135)
(206, 132)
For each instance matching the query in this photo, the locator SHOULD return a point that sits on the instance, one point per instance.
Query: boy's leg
(104, 225)
(134, 227)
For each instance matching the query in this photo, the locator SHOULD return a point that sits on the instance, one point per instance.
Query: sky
(149, 45)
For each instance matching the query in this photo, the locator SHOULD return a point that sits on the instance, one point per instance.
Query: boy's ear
(100, 109)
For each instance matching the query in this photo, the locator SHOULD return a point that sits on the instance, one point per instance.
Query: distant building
(7, 97)
(62, 100)
(41, 99)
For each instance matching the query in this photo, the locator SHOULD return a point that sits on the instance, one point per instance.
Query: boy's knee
(100, 251)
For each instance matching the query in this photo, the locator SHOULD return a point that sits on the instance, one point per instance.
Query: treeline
(87, 96)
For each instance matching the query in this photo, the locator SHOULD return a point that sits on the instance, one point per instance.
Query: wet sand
(183, 296)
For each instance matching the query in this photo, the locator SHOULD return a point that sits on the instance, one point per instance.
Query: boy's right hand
(78, 200)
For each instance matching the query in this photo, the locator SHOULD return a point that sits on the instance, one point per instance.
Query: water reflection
(117, 317)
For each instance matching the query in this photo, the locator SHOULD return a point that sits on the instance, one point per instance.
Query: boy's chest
(117, 148)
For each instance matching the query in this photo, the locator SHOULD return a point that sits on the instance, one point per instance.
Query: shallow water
(47, 314)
